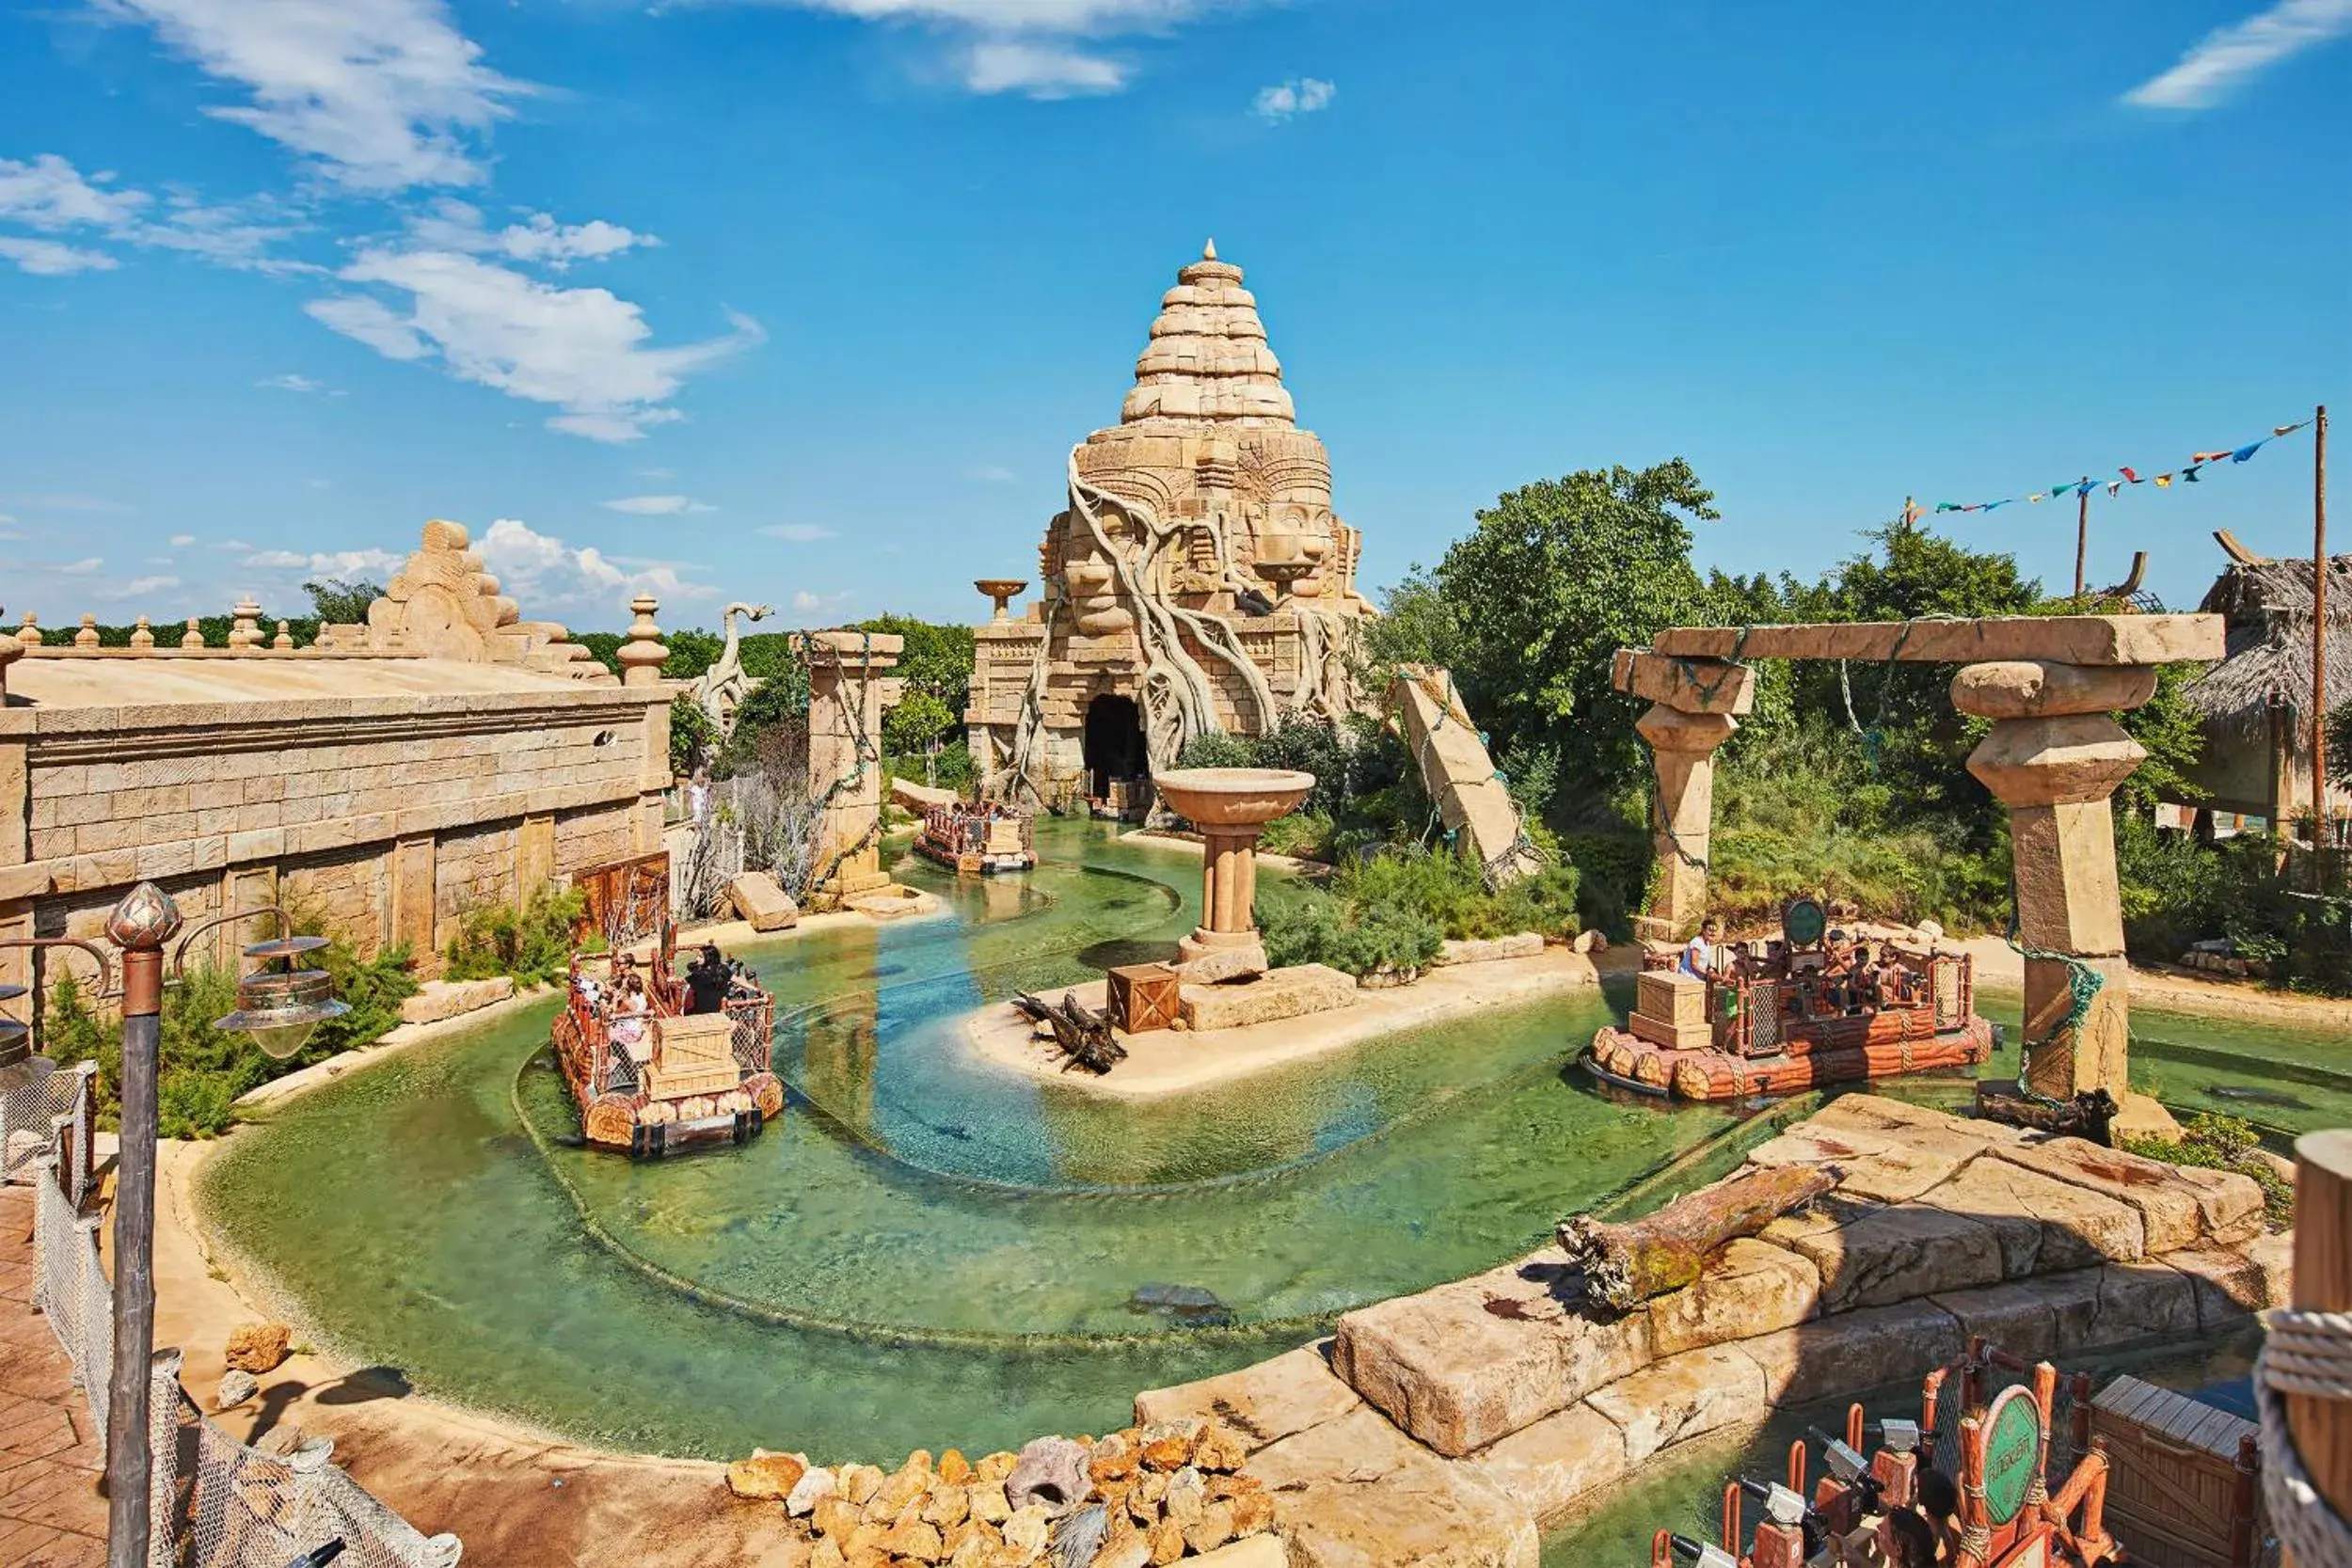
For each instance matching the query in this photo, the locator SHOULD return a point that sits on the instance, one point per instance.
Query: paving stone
(1265, 1402)
(1855, 1349)
(1356, 1493)
(1869, 1164)
(1466, 1363)
(1893, 1254)
(2044, 1225)
(1683, 1397)
(1546, 1467)
(1750, 1287)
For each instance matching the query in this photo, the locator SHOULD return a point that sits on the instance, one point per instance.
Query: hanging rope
(2083, 985)
(2307, 1353)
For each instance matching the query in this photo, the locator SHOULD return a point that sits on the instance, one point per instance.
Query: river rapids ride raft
(982, 839)
(1803, 1011)
(651, 1084)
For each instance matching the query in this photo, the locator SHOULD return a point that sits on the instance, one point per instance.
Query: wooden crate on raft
(694, 1055)
(1144, 997)
(2185, 1485)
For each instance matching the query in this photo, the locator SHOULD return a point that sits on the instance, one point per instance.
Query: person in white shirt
(1705, 956)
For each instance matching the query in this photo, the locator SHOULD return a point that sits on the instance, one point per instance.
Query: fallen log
(1082, 1035)
(1626, 1264)
(2090, 1116)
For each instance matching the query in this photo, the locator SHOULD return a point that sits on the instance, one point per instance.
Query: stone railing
(1476, 1412)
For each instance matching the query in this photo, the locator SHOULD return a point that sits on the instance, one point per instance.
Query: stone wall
(1446, 1427)
(387, 795)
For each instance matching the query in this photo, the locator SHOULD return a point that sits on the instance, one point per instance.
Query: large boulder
(761, 904)
(439, 999)
(258, 1347)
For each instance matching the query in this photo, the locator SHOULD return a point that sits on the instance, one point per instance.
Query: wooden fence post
(2323, 1283)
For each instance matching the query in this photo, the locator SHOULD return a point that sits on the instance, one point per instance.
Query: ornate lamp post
(278, 1009)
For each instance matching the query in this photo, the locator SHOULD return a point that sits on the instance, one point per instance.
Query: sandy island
(1170, 1061)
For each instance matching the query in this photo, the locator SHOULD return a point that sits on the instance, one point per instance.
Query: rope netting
(214, 1501)
(2306, 1354)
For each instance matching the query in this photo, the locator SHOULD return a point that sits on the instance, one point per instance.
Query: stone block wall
(386, 813)
(1446, 1427)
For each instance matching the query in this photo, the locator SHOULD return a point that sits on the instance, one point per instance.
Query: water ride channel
(927, 1248)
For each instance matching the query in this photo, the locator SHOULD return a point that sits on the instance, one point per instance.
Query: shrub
(1449, 892)
(1361, 940)
(533, 944)
(1305, 835)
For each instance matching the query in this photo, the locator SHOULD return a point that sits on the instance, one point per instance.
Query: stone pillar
(848, 692)
(642, 655)
(413, 870)
(2053, 757)
(1228, 891)
(1682, 749)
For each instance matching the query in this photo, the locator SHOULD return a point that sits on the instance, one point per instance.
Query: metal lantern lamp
(279, 1007)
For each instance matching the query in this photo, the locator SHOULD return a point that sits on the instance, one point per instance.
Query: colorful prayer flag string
(2186, 474)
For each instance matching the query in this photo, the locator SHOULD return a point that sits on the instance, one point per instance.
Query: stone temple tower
(1197, 579)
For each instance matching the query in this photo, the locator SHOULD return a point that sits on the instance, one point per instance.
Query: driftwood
(1083, 1034)
(1626, 1264)
(2090, 1116)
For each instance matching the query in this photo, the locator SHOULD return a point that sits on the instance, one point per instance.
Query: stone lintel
(2041, 688)
(1691, 686)
(2066, 638)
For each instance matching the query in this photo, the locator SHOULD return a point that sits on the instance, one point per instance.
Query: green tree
(921, 718)
(343, 602)
(1557, 577)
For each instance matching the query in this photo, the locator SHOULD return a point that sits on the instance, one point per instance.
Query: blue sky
(804, 301)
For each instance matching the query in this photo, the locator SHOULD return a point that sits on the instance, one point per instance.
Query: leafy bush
(1359, 940)
(201, 1070)
(2177, 891)
(533, 944)
(2211, 1141)
(1449, 892)
(1365, 793)
(692, 736)
(1303, 835)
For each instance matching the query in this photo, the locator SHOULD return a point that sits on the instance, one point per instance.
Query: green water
(926, 1249)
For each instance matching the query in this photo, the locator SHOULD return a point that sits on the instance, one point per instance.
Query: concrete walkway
(50, 1513)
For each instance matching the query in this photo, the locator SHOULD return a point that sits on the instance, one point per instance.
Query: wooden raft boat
(979, 840)
(655, 1082)
(1785, 1019)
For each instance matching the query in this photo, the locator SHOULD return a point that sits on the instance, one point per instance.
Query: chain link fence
(29, 1112)
(217, 1502)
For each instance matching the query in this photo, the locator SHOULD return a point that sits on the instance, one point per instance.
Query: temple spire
(1208, 361)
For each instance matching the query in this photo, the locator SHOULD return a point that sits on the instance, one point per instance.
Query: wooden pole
(127, 1459)
(2082, 535)
(2319, 627)
(2323, 1283)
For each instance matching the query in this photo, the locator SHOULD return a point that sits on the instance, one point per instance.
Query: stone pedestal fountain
(1230, 806)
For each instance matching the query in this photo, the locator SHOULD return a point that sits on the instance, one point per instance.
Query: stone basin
(1232, 796)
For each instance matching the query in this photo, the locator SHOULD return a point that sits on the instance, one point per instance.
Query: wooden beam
(2323, 1283)
(2095, 640)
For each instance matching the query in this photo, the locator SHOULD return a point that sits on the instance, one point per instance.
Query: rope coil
(2307, 1353)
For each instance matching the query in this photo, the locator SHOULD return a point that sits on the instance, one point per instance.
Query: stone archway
(2051, 686)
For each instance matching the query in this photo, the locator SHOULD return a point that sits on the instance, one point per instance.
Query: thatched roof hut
(2267, 604)
(2256, 701)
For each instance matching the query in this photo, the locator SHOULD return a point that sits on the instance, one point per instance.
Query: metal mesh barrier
(216, 1502)
(27, 1112)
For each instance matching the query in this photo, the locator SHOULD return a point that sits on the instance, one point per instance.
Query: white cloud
(2228, 58)
(291, 383)
(656, 506)
(50, 194)
(1300, 95)
(993, 474)
(805, 601)
(798, 533)
(453, 225)
(540, 570)
(1040, 69)
(135, 588)
(53, 258)
(333, 563)
(56, 500)
(381, 94)
(581, 350)
(87, 566)
(181, 541)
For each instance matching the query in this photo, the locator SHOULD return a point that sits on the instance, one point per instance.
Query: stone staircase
(1458, 774)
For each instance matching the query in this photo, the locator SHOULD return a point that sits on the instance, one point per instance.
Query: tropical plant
(533, 943)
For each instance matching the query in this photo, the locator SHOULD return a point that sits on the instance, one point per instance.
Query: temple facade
(1197, 579)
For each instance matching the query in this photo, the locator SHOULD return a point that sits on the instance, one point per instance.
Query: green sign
(1802, 923)
(2012, 1446)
